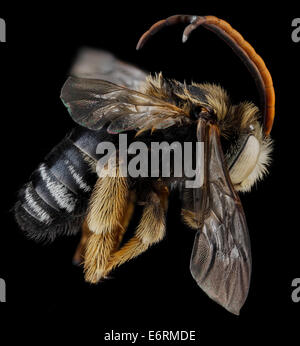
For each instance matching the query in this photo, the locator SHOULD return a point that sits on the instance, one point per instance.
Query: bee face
(247, 150)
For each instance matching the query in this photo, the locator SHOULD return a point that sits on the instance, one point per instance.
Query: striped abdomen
(55, 199)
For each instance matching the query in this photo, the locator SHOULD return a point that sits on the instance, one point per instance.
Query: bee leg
(150, 230)
(109, 213)
(98, 251)
(79, 253)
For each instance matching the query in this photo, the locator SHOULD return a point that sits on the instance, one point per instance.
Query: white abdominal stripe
(60, 195)
(34, 207)
(47, 208)
(53, 202)
(78, 178)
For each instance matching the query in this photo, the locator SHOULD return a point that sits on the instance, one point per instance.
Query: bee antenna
(181, 18)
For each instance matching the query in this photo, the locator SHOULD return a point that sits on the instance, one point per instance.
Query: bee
(106, 97)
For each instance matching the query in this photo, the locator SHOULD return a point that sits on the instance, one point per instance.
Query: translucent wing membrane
(221, 257)
(99, 64)
(93, 103)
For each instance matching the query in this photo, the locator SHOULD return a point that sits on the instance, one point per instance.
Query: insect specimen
(107, 97)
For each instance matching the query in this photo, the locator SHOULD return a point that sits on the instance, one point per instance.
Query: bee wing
(93, 103)
(221, 256)
(99, 64)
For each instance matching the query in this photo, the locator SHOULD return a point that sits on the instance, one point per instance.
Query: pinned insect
(106, 97)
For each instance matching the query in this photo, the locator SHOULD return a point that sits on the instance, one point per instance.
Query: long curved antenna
(240, 46)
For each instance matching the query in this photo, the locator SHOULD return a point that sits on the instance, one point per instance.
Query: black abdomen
(55, 199)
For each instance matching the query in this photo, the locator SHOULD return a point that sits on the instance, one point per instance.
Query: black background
(155, 291)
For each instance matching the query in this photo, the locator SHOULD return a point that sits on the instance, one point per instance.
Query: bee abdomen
(55, 200)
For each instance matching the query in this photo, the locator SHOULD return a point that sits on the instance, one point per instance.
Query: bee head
(246, 148)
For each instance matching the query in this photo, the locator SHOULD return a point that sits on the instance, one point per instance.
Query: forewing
(93, 103)
(221, 256)
(99, 64)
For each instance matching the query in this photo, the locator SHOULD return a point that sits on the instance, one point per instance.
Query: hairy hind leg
(150, 230)
(110, 210)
